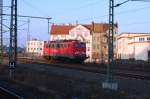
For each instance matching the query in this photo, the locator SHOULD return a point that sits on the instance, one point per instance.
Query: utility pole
(28, 34)
(110, 84)
(48, 19)
(1, 31)
(13, 35)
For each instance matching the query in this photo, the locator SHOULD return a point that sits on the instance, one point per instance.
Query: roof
(131, 33)
(95, 27)
(100, 28)
(60, 29)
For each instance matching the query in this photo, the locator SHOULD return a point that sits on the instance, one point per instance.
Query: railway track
(7, 94)
(120, 73)
(95, 69)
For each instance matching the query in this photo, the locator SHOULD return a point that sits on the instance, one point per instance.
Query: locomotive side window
(65, 45)
(57, 45)
(46, 46)
(52, 45)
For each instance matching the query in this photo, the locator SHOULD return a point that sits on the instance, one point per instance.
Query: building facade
(94, 34)
(35, 47)
(100, 42)
(133, 46)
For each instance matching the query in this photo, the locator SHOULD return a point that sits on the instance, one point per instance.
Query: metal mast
(110, 40)
(1, 31)
(110, 83)
(13, 35)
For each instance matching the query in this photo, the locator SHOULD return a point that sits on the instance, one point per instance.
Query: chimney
(92, 25)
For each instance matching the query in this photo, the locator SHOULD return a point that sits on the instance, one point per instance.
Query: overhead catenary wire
(87, 5)
(118, 13)
(36, 17)
(33, 6)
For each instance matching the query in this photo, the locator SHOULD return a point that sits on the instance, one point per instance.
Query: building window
(148, 38)
(141, 39)
(88, 48)
(85, 34)
(72, 35)
(94, 46)
(98, 46)
(94, 38)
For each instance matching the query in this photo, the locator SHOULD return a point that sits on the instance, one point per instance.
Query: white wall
(35, 47)
(129, 45)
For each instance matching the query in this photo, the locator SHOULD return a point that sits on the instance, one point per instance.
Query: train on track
(65, 50)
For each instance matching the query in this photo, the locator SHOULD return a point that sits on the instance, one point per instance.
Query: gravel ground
(45, 82)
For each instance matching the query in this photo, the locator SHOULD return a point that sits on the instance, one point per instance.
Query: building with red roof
(94, 34)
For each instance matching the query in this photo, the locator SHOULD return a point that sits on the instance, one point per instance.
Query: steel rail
(11, 93)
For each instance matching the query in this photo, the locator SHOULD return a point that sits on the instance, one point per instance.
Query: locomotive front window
(79, 45)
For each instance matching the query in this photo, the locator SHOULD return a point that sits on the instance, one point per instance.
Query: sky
(133, 16)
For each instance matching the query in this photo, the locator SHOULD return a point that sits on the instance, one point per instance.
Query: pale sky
(133, 16)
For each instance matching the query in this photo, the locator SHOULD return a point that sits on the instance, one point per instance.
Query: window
(98, 46)
(57, 45)
(88, 48)
(52, 45)
(85, 34)
(72, 34)
(65, 45)
(93, 38)
(148, 38)
(98, 38)
(141, 39)
(94, 46)
(79, 45)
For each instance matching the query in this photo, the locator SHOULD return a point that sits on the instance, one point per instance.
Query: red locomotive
(70, 50)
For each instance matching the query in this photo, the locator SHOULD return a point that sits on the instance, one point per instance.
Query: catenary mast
(1, 31)
(13, 35)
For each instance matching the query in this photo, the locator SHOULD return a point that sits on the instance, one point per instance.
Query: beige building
(35, 47)
(133, 46)
(95, 36)
(100, 42)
